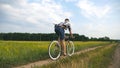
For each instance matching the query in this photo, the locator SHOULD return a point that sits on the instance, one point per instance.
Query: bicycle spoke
(54, 50)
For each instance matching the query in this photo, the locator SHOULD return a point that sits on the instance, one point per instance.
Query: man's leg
(62, 42)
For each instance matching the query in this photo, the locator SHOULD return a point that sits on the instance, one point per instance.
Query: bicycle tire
(54, 51)
(70, 48)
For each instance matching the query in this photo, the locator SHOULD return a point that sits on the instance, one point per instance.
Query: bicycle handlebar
(69, 37)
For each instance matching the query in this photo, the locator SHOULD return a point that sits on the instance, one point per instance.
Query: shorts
(60, 32)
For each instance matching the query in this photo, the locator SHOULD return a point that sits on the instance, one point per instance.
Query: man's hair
(66, 19)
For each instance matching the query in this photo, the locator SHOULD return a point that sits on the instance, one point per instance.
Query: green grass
(14, 53)
(20, 52)
(83, 45)
(98, 58)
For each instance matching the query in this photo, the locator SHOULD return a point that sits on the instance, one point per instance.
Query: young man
(60, 31)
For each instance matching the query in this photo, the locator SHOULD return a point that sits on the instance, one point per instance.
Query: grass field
(98, 58)
(15, 53)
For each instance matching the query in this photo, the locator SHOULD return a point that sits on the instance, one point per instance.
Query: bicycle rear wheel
(70, 48)
(54, 50)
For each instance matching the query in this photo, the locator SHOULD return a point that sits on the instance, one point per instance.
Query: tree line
(45, 37)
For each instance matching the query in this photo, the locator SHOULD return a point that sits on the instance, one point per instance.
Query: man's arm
(70, 31)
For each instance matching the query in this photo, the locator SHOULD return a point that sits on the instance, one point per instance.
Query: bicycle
(55, 49)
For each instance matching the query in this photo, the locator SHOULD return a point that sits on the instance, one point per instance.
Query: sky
(92, 18)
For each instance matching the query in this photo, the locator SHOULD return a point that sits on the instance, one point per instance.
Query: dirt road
(116, 58)
(43, 62)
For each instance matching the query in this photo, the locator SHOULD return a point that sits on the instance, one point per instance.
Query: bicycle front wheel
(54, 50)
(70, 48)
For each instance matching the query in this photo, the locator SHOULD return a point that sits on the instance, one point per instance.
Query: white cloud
(99, 29)
(40, 14)
(89, 9)
(70, 0)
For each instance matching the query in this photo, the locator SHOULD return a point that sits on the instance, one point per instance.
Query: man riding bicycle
(60, 31)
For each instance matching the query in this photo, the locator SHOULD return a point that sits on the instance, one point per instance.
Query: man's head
(66, 20)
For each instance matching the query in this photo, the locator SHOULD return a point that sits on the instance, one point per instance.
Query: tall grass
(99, 58)
(103, 58)
(14, 53)
(83, 45)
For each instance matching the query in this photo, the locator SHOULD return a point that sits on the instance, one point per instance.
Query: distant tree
(93, 39)
(104, 38)
(45, 37)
